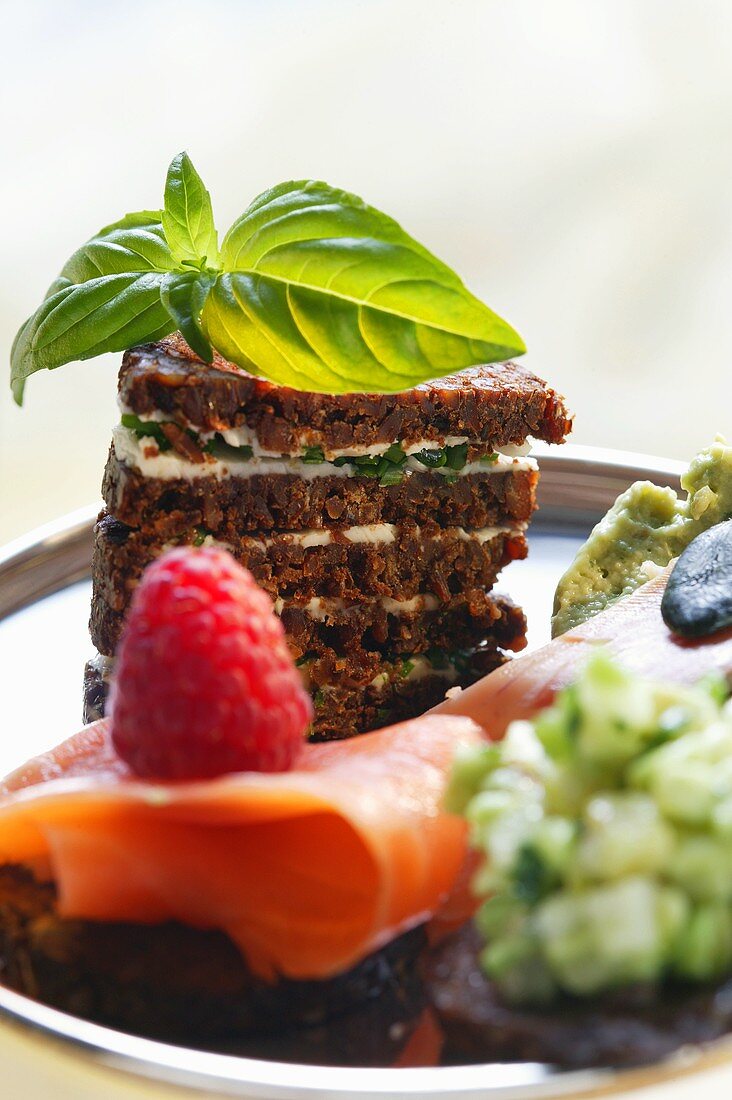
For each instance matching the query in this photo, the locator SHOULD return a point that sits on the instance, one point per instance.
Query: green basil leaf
(188, 216)
(79, 321)
(323, 292)
(135, 243)
(319, 291)
(183, 294)
(113, 282)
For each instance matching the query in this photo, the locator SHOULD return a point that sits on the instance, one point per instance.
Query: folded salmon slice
(632, 630)
(307, 871)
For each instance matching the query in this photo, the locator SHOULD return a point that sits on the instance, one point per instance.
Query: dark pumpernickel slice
(343, 710)
(346, 701)
(361, 633)
(424, 558)
(284, 502)
(371, 626)
(168, 980)
(500, 404)
(632, 1028)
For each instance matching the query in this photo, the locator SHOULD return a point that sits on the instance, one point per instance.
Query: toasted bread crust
(500, 404)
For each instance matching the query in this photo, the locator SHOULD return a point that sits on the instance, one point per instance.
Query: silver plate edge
(58, 554)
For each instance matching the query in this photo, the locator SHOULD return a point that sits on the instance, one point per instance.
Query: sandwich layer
(287, 502)
(367, 631)
(399, 691)
(400, 627)
(353, 697)
(500, 404)
(382, 559)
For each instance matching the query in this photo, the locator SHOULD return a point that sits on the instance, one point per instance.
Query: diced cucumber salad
(606, 826)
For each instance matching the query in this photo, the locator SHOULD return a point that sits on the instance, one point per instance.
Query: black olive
(698, 596)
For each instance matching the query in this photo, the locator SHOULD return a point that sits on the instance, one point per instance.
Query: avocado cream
(647, 526)
(606, 827)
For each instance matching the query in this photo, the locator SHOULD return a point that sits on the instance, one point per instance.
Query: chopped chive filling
(454, 458)
(388, 468)
(146, 429)
(219, 448)
(202, 533)
(606, 827)
(313, 455)
(432, 457)
(153, 429)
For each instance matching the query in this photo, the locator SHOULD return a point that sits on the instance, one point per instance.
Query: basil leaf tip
(311, 288)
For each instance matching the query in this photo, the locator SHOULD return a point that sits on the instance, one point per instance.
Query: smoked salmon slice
(307, 871)
(632, 631)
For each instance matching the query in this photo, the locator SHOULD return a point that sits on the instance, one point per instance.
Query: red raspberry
(204, 682)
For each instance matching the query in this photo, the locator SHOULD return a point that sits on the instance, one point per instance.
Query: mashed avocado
(646, 524)
(606, 826)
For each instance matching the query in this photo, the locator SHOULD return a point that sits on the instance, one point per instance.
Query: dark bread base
(632, 1028)
(170, 981)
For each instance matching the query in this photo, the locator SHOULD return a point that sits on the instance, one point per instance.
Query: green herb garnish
(146, 429)
(395, 454)
(532, 876)
(432, 457)
(456, 456)
(387, 468)
(307, 286)
(391, 475)
(313, 455)
(219, 448)
(489, 460)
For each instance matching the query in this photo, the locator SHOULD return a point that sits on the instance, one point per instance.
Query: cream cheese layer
(323, 607)
(145, 456)
(306, 439)
(380, 534)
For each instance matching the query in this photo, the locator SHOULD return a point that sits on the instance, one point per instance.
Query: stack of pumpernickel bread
(378, 523)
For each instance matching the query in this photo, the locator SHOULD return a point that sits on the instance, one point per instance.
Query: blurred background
(572, 161)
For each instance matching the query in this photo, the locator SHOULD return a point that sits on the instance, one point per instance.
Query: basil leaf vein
(109, 313)
(320, 284)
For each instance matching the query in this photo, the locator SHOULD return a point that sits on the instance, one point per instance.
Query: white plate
(44, 604)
